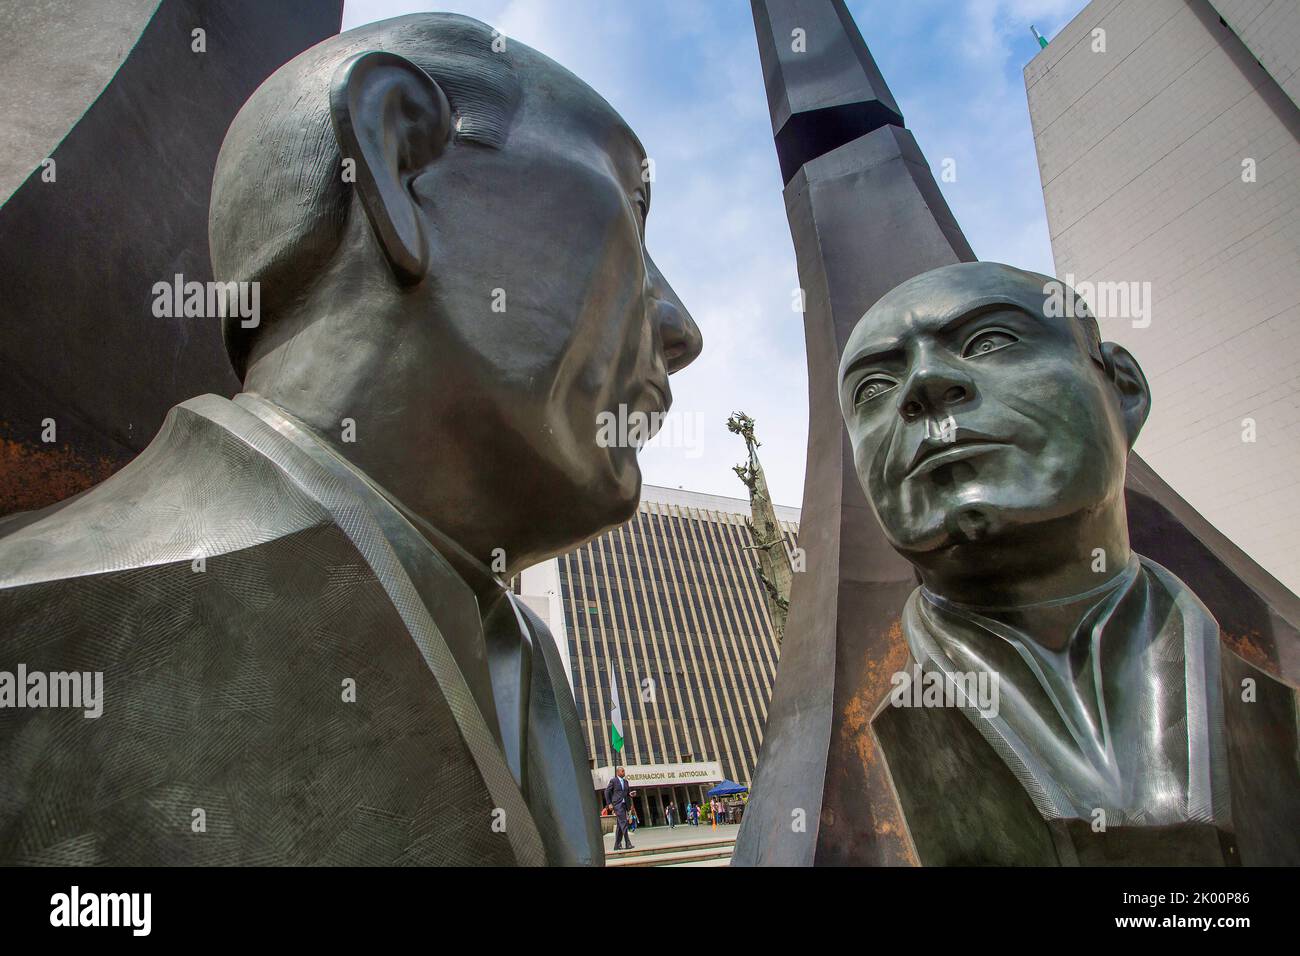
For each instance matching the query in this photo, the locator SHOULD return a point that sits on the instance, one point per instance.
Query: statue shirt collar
(473, 607)
(1127, 718)
(477, 575)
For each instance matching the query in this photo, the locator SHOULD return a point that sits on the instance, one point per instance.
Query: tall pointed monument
(775, 570)
(865, 214)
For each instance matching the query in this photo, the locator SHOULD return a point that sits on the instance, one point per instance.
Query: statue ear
(392, 119)
(1131, 385)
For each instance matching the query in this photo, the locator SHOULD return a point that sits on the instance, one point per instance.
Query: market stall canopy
(727, 788)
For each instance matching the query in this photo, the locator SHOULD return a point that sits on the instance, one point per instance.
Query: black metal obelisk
(866, 213)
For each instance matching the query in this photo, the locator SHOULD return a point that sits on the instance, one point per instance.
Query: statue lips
(651, 406)
(933, 452)
(662, 393)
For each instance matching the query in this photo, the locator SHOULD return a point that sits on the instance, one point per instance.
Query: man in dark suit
(619, 798)
(296, 599)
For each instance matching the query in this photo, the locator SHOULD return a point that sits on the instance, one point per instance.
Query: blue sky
(685, 75)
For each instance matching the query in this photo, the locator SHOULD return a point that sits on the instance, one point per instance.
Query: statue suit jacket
(293, 673)
(1193, 759)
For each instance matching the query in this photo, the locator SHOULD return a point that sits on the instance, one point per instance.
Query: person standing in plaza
(618, 798)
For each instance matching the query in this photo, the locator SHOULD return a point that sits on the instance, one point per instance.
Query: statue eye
(989, 340)
(872, 387)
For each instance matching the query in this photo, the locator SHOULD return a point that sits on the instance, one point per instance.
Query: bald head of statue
(448, 233)
(990, 428)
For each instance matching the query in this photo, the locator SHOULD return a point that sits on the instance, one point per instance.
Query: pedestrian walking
(618, 798)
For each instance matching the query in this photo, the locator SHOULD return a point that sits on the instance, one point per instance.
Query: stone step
(667, 848)
(670, 857)
(718, 862)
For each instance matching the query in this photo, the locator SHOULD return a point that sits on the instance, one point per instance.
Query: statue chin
(980, 522)
(971, 524)
(619, 490)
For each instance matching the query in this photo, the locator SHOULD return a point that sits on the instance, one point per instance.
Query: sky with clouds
(685, 75)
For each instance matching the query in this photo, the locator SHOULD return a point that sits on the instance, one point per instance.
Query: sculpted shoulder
(199, 490)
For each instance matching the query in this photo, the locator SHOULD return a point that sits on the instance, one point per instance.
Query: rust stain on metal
(1246, 646)
(886, 819)
(880, 672)
(34, 476)
(872, 688)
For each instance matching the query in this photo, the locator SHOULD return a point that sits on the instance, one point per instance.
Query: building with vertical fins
(670, 607)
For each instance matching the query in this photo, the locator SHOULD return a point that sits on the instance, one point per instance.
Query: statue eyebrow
(893, 351)
(890, 352)
(970, 315)
(640, 158)
(962, 319)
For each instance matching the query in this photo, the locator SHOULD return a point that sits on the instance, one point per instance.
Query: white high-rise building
(1168, 138)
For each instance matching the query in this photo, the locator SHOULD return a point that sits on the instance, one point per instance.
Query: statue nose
(681, 338)
(934, 389)
(677, 331)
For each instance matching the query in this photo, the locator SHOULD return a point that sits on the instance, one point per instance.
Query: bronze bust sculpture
(990, 433)
(296, 597)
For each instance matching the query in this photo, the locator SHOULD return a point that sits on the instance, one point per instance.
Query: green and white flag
(615, 716)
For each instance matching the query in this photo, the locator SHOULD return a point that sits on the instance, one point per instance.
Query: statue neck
(1051, 623)
(485, 583)
(1032, 564)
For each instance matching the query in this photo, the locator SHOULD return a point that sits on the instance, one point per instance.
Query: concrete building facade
(669, 608)
(1168, 139)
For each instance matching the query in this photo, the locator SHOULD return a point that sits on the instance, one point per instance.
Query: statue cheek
(869, 453)
(1074, 468)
